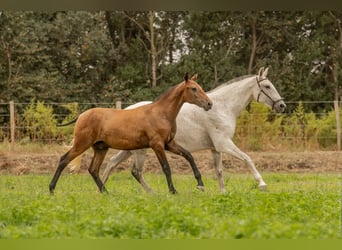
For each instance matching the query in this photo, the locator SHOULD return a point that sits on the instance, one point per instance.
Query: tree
(154, 38)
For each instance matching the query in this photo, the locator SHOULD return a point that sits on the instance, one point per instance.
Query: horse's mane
(240, 78)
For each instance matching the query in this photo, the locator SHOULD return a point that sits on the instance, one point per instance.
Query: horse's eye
(267, 86)
(194, 89)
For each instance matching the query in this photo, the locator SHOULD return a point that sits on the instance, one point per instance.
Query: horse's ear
(264, 74)
(261, 72)
(194, 77)
(186, 77)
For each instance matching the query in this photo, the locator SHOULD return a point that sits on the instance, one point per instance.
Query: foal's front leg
(173, 147)
(159, 151)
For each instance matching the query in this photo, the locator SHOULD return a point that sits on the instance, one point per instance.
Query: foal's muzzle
(208, 105)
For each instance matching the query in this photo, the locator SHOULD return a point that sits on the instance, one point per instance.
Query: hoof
(201, 188)
(263, 188)
(173, 191)
(223, 191)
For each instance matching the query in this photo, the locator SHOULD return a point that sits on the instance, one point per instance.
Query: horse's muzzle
(280, 107)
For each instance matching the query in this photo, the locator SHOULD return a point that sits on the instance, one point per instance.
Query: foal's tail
(75, 164)
(68, 123)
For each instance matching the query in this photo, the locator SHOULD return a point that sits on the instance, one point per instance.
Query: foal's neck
(171, 102)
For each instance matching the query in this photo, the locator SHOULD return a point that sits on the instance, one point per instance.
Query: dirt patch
(296, 162)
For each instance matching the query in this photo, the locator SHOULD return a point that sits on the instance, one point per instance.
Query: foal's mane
(165, 93)
(240, 78)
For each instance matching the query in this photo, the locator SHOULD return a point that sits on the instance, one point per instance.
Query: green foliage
(259, 129)
(40, 121)
(327, 129)
(296, 207)
(69, 56)
(66, 132)
(256, 127)
(104, 56)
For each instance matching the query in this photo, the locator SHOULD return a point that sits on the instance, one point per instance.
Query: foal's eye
(194, 89)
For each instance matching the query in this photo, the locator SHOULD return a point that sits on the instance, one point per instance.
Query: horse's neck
(234, 97)
(171, 102)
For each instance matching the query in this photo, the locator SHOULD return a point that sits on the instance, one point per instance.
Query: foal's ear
(194, 77)
(186, 77)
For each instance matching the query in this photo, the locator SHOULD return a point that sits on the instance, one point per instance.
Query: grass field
(306, 206)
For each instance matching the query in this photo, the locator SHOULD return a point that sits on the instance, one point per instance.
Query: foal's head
(193, 93)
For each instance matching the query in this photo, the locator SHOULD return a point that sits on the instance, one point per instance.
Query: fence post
(338, 125)
(12, 124)
(118, 104)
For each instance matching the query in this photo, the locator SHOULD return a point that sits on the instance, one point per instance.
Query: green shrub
(259, 129)
(327, 130)
(40, 122)
(66, 132)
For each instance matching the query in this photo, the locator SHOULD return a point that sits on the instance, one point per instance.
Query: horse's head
(193, 93)
(265, 92)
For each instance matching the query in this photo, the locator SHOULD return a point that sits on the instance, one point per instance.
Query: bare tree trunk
(335, 68)
(215, 74)
(111, 27)
(254, 46)
(153, 50)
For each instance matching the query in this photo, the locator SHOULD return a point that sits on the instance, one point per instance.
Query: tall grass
(297, 206)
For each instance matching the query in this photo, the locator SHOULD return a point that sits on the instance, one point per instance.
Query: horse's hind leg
(113, 162)
(94, 168)
(138, 164)
(177, 149)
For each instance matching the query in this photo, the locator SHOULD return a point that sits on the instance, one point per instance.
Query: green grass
(306, 206)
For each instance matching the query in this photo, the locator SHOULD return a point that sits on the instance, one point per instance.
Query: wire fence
(252, 132)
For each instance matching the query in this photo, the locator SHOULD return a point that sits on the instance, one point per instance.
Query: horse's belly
(193, 139)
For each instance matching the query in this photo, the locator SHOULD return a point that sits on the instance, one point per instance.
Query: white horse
(214, 129)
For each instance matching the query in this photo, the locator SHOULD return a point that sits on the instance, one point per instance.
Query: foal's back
(119, 129)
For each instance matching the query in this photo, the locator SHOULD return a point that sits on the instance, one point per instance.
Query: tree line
(104, 56)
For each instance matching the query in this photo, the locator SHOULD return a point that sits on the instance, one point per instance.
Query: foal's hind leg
(94, 168)
(63, 162)
(177, 149)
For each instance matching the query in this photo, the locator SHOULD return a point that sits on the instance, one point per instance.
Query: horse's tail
(68, 123)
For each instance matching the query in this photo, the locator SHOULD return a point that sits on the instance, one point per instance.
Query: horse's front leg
(217, 156)
(160, 153)
(137, 168)
(114, 162)
(173, 147)
(227, 146)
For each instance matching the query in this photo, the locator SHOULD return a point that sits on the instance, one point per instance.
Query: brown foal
(152, 125)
